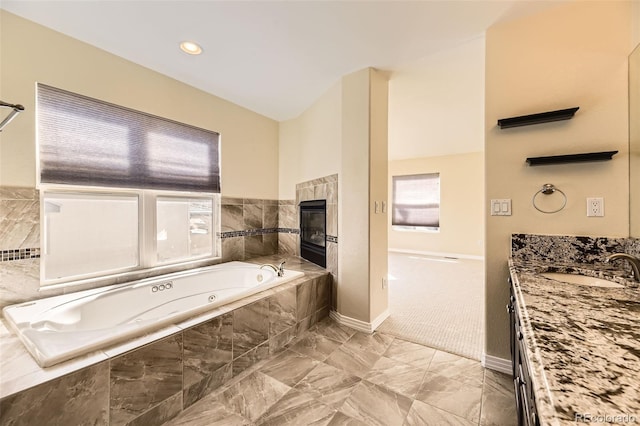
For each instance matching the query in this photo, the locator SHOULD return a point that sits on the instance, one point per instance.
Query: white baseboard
(497, 364)
(436, 253)
(363, 326)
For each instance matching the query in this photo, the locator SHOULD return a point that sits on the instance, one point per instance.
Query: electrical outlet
(595, 207)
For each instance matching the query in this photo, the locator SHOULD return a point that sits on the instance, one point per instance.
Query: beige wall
(634, 143)
(32, 53)
(461, 205)
(345, 132)
(363, 232)
(310, 144)
(353, 187)
(436, 105)
(378, 191)
(635, 10)
(570, 55)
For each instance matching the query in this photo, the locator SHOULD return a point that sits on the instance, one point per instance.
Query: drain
(212, 298)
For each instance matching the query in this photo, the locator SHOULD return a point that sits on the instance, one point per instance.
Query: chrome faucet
(633, 261)
(277, 269)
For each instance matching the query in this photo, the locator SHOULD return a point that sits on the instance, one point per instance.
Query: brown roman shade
(416, 200)
(85, 141)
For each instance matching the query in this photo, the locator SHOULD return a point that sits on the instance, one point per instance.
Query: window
(416, 202)
(122, 190)
(75, 241)
(184, 228)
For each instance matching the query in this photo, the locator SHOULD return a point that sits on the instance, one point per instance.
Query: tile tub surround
(288, 224)
(19, 218)
(19, 244)
(191, 358)
(249, 228)
(582, 343)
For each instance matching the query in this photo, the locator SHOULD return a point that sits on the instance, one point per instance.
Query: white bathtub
(59, 328)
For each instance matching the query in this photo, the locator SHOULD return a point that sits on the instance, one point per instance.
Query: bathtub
(59, 328)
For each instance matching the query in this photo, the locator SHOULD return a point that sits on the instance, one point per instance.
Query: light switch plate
(501, 207)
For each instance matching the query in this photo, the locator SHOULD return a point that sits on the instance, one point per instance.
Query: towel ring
(548, 189)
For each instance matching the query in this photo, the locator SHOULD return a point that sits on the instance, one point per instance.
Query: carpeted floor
(437, 302)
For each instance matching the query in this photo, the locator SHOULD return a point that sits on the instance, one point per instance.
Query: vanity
(575, 346)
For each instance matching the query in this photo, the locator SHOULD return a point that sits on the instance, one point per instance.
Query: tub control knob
(168, 286)
(154, 288)
(161, 287)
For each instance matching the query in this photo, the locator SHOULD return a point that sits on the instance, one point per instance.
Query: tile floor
(334, 375)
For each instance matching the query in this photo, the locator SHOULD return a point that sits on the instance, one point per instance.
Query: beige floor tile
(422, 414)
(396, 376)
(498, 400)
(334, 331)
(352, 360)
(376, 342)
(498, 382)
(375, 405)
(318, 375)
(456, 367)
(410, 353)
(207, 413)
(289, 367)
(295, 409)
(328, 384)
(340, 419)
(315, 346)
(461, 399)
(254, 395)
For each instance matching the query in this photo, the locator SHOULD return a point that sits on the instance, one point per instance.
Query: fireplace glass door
(313, 223)
(313, 230)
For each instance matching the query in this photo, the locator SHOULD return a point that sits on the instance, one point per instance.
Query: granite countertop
(582, 343)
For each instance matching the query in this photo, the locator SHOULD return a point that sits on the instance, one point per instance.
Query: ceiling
(273, 57)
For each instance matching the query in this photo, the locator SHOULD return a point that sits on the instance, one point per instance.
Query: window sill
(426, 229)
(128, 276)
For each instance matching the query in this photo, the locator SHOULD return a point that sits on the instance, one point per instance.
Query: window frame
(147, 235)
(415, 228)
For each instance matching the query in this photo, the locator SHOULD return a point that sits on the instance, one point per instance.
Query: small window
(416, 202)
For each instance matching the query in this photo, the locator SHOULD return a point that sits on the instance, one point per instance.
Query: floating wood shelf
(571, 158)
(542, 117)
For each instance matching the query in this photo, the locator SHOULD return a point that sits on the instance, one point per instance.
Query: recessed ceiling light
(191, 48)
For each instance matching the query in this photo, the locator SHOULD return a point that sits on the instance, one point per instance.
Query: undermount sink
(581, 280)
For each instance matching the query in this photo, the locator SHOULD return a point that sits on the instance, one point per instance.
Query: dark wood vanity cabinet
(525, 398)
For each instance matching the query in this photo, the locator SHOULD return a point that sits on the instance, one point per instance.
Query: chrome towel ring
(548, 189)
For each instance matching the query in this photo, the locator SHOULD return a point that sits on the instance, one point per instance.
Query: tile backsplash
(568, 248)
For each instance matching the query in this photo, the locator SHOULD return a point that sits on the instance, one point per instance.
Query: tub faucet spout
(277, 269)
(633, 261)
